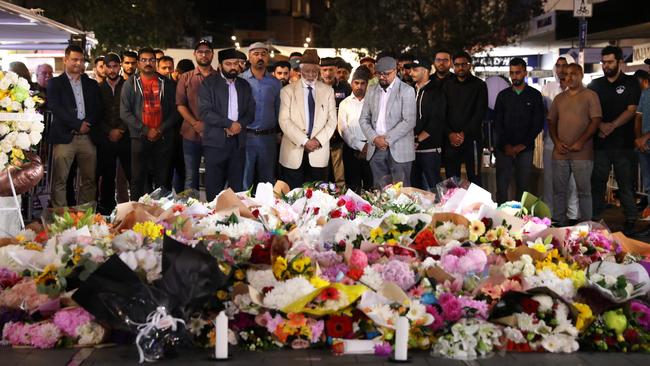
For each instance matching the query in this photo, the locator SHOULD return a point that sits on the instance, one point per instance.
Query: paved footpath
(126, 355)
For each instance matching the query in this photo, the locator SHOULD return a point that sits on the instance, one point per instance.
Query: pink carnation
(479, 307)
(44, 335)
(464, 261)
(70, 319)
(16, 333)
(452, 310)
(358, 259)
(398, 272)
(438, 321)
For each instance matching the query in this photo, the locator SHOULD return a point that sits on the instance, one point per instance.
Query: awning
(23, 29)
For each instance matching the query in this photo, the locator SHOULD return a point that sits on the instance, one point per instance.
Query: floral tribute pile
(319, 267)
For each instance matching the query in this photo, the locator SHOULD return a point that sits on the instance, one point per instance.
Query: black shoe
(628, 228)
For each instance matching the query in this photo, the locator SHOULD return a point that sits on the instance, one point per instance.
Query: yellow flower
(299, 265)
(148, 230)
(477, 227)
(240, 275)
(222, 295)
(76, 254)
(34, 246)
(376, 233)
(540, 247)
(20, 238)
(585, 315)
(17, 154)
(579, 279)
(491, 235)
(279, 266)
(48, 276)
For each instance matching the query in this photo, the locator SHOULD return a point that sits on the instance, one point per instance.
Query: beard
(610, 72)
(232, 74)
(113, 78)
(359, 93)
(517, 82)
(207, 63)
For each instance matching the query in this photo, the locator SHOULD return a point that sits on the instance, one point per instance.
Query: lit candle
(401, 338)
(221, 336)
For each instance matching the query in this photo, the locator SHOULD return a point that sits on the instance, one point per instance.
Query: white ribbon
(21, 116)
(156, 319)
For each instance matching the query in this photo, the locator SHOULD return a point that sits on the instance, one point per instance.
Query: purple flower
(8, 278)
(327, 258)
(398, 272)
(383, 349)
(642, 313)
(332, 273)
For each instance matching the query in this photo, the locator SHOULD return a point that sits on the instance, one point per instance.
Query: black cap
(420, 62)
(328, 61)
(203, 42)
(227, 54)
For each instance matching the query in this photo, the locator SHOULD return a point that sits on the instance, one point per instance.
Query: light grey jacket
(399, 119)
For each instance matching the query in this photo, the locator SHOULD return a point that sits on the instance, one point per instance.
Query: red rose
(338, 326)
(340, 202)
(355, 274)
(256, 213)
(316, 210)
(529, 305)
(260, 255)
(309, 193)
(335, 214)
(631, 335)
(350, 206)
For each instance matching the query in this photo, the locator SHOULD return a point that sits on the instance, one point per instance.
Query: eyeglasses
(204, 52)
(461, 64)
(145, 60)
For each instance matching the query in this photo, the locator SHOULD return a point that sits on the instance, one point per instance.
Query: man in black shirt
(113, 141)
(466, 106)
(430, 111)
(519, 118)
(442, 64)
(614, 144)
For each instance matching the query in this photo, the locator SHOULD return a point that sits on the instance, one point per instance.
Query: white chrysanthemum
(5, 84)
(259, 279)
(287, 292)
(4, 129)
(37, 126)
(22, 83)
(6, 145)
(15, 106)
(371, 278)
(545, 302)
(23, 125)
(23, 141)
(29, 103)
(12, 77)
(35, 137)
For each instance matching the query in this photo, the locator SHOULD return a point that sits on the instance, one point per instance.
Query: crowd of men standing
(391, 119)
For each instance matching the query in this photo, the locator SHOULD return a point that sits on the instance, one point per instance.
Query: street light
(306, 45)
(234, 38)
(308, 40)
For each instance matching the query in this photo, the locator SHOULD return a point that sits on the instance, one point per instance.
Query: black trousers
(522, 165)
(305, 173)
(464, 154)
(108, 153)
(178, 163)
(223, 165)
(358, 174)
(151, 159)
(425, 173)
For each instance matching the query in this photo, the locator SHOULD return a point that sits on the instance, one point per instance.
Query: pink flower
(44, 335)
(398, 272)
(358, 259)
(451, 307)
(438, 322)
(365, 207)
(479, 307)
(316, 330)
(70, 319)
(16, 333)
(273, 323)
(8, 278)
(350, 205)
(383, 349)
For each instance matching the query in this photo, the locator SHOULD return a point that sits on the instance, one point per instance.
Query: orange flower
(296, 320)
(281, 334)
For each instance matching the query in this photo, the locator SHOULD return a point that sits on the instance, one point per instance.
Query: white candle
(221, 336)
(401, 338)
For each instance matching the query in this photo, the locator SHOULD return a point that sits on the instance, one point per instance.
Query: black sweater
(466, 106)
(430, 111)
(519, 117)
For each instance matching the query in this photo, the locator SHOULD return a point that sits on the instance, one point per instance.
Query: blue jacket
(60, 100)
(213, 108)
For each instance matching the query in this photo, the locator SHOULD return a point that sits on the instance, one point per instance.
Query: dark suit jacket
(213, 107)
(60, 100)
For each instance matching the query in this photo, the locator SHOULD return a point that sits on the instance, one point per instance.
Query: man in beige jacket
(308, 120)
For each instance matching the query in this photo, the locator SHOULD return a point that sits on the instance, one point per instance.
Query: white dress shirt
(381, 118)
(348, 124)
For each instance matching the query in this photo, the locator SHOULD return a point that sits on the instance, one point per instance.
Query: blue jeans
(192, 152)
(261, 158)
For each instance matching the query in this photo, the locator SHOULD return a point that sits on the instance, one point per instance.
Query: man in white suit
(308, 120)
(388, 119)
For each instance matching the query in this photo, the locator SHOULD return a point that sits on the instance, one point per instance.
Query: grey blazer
(400, 120)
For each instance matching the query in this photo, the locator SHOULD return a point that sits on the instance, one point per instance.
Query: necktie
(311, 103)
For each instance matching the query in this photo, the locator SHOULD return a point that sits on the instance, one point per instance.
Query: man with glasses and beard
(113, 141)
(387, 120)
(261, 139)
(519, 119)
(149, 109)
(442, 65)
(614, 143)
(466, 107)
(226, 108)
(187, 103)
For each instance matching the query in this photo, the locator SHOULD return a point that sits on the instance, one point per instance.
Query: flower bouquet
(618, 282)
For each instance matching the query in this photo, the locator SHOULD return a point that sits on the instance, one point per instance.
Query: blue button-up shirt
(78, 93)
(266, 92)
(644, 109)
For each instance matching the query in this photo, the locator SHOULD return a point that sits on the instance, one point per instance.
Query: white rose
(35, 137)
(15, 106)
(12, 77)
(23, 83)
(6, 101)
(23, 141)
(5, 84)
(4, 129)
(29, 103)
(24, 125)
(38, 127)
